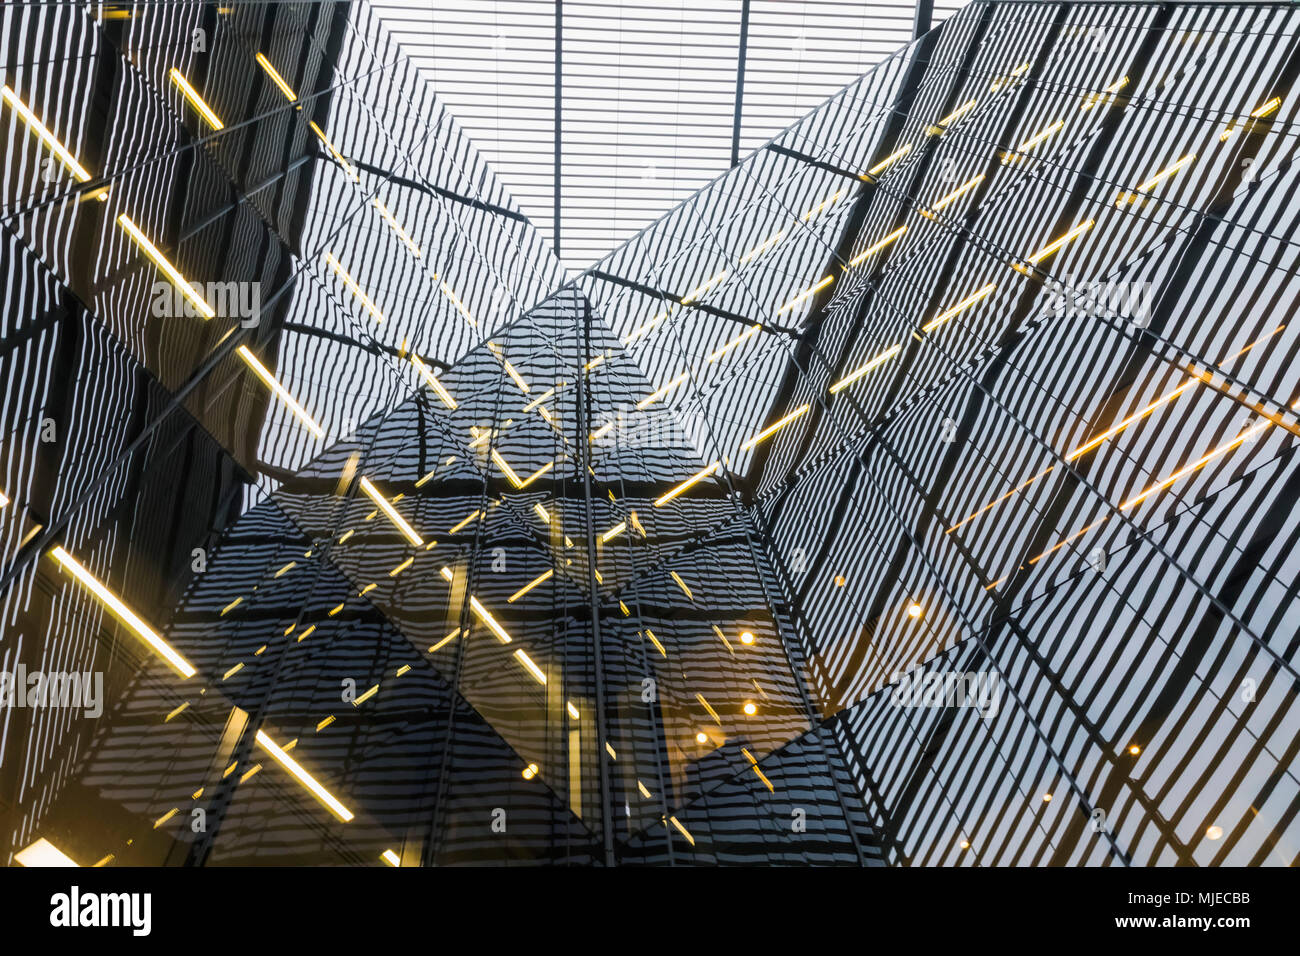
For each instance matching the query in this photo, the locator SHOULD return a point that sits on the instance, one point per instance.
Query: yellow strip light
(532, 668)
(506, 469)
(1268, 108)
(398, 521)
(1164, 174)
(805, 293)
(644, 329)
(251, 360)
(162, 263)
(123, 613)
(748, 333)
(44, 135)
(455, 300)
(537, 474)
(1015, 74)
(681, 829)
(276, 78)
(822, 205)
(613, 532)
(1092, 99)
(772, 429)
(941, 127)
(1136, 416)
(1020, 487)
(1059, 545)
(754, 764)
(473, 516)
(853, 376)
(518, 379)
(397, 228)
(866, 254)
(446, 640)
(544, 576)
(655, 641)
(302, 776)
(391, 858)
(723, 638)
(355, 289)
(662, 391)
(348, 167)
(432, 381)
(1197, 465)
(1259, 113)
(541, 398)
(687, 484)
(682, 584)
(1109, 433)
(889, 160)
(961, 306)
(1052, 246)
(958, 192)
(1034, 141)
(489, 620)
(699, 290)
(195, 100)
(712, 713)
(760, 249)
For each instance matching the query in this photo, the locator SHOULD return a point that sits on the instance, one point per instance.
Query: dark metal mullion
(584, 459)
(924, 17)
(559, 117)
(740, 83)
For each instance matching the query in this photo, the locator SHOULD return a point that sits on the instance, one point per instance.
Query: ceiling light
(391, 513)
(195, 100)
(281, 392)
(302, 776)
(276, 78)
(123, 613)
(43, 853)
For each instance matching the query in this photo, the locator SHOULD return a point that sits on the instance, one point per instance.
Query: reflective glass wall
(918, 492)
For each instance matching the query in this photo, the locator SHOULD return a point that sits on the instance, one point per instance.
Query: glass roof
(647, 92)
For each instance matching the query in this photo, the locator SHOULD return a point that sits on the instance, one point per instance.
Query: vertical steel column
(584, 462)
(559, 118)
(740, 84)
(924, 16)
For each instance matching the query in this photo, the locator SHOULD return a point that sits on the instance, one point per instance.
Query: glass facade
(919, 491)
